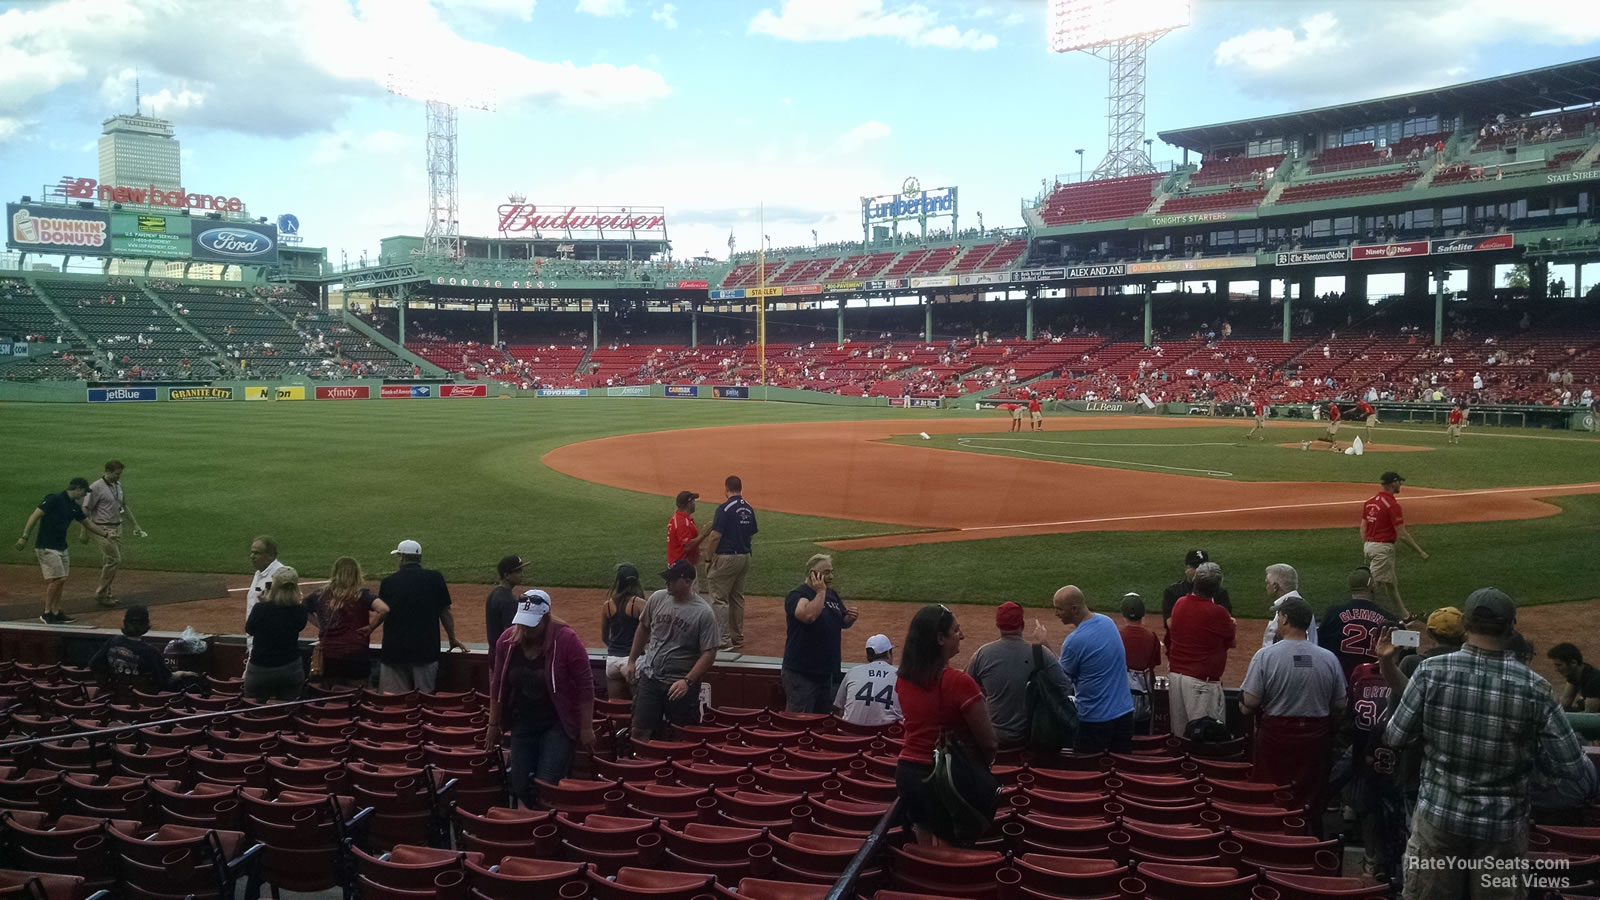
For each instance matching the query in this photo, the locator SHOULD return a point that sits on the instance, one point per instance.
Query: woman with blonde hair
(276, 671)
(343, 612)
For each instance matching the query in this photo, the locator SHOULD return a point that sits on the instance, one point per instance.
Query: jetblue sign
(237, 242)
(937, 202)
(122, 395)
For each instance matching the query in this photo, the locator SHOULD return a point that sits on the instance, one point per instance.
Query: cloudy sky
(706, 107)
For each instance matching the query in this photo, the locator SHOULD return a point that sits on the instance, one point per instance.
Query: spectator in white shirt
(867, 695)
(264, 556)
(1283, 582)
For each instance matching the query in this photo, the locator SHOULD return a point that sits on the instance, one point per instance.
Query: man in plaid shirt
(1485, 723)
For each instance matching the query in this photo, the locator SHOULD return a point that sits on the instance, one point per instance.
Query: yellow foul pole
(761, 295)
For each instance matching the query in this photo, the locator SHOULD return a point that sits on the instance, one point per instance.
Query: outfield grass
(465, 479)
(1485, 458)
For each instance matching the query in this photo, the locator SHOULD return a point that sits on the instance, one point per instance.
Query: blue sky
(705, 107)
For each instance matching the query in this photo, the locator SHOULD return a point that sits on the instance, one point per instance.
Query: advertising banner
(562, 220)
(463, 390)
(122, 395)
(200, 393)
(344, 392)
(835, 286)
(165, 237)
(731, 393)
(563, 392)
(888, 284)
(910, 203)
(1389, 251)
(295, 392)
(1308, 257)
(730, 294)
(1038, 274)
(914, 402)
(693, 285)
(928, 281)
(55, 229)
(629, 390)
(1473, 244)
(236, 242)
(1190, 265)
(763, 292)
(1097, 271)
(1198, 218)
(257, 392)
(983, 278)
(683, 390)
(790, 290)
(405, 391)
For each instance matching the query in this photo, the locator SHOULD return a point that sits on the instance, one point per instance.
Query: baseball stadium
(1246, 360)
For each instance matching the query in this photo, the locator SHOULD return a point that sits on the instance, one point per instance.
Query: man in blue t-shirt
(816, 615)
(1094, 658)
(729, 545)
(54, 516)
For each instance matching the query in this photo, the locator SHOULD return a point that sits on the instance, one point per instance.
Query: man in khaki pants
(728, 545)
(105, 507)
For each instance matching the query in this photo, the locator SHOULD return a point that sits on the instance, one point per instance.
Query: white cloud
(843, 20)
(279, 57)
(1349, 45)
(603, 8)
(521, 9)
(1016, 18)
(666, 15)
(863, 134)
(333, 148)
(9, 128)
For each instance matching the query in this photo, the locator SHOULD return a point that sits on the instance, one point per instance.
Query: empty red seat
(1179, 844)
(1287, 853)
(803, 856)
(408, 868)
(1046, 875)
(637, 770)
(764, 889)
(1295, 886)
(728, 853)
(668, 801)
(180, 860)
(630, 883)
(758, 810)
(1065, 803)
(1251, 817)
(1172, 882)
(1571, 839)
(574, 795)
(1058, 835)
(1234, 791)
(951, 870)
(521, 878)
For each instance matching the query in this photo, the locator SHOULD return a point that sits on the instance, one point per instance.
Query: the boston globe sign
(49, 229)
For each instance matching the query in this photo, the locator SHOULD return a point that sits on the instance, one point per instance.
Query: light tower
(1120, 32)
(442, 236)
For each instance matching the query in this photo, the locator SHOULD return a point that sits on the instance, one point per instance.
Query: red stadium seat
(634, 884)
(520, 878)
(951, 870)
(762, 889)
(1170, 882)
(1056, 835)
(1046, 875)
(409, 868)
(1177, 844)
(574, 795)
(1287, 853)
(814, 858)
(1294, 886)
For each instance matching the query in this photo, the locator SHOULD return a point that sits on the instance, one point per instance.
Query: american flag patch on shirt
(1302, 661)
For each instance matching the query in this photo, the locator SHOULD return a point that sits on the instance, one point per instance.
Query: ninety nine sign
(343, 392)
(1390, 251)
(146, 195)
(519, 217)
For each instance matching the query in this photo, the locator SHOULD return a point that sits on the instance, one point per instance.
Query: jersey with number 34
(867, 697)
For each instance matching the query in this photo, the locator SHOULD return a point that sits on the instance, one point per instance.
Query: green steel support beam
(1438, 306)
(1030, 316)
(694, 328)
(1149, 318)
(1288, 312)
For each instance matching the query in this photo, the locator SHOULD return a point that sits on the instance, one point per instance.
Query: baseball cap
(1491, 604)
(407, 548)
(1132, 606)
(1196, 557)
(1391, 478)
(507, 565)
(1008, 617)
(686, 496)
(1446, 621)
(879, 643)
(532, 609)
(680, 569)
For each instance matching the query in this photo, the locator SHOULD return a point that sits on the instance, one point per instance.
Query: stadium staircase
(354, 323)
(226, 364)
(1587, 160)
(84, 340)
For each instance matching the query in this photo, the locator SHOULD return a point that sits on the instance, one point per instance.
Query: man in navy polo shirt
(729, 542)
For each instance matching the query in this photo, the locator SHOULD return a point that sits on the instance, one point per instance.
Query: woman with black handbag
(947, 792)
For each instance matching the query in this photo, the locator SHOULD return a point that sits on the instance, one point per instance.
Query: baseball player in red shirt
(1334, 418)
(1458, 418)
(1261, 422)
(1365, 411)
(1382, 523)
(1036, 412)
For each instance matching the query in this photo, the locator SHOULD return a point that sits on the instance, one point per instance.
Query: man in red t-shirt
(1199, 635)
(1382, 523)
(1458, 417)
(1365, 411)
(1261, 421)
(1036, 412)
(1015, 409)
(683, 537)
(1334, 417)
(1143, 651)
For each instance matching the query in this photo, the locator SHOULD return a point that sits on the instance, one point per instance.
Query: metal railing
(844, 888)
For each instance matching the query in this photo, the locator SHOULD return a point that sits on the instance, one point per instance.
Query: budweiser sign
(1390, 251)
(516, 218)
(463, 390)
(146, 195)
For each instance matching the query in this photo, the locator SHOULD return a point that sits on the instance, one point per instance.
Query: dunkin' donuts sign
(57, 229)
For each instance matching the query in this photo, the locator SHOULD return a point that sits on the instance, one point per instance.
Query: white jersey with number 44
(867, 697)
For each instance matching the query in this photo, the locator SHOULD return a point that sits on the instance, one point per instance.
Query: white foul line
(247, 587)
(1243, 509)
(1099, 459)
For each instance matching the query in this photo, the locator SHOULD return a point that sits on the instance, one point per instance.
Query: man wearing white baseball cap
(541, 688)
(419, 602)
(866, 696)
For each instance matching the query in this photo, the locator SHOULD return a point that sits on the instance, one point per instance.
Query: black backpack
(1052, 716)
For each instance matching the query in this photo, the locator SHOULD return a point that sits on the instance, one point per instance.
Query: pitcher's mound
(1368, 448)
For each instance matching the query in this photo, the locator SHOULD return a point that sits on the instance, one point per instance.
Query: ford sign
(235, 243)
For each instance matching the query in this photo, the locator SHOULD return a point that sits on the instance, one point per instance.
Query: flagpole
(761, 296)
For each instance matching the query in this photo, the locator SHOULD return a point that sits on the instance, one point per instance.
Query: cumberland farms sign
(570, 221)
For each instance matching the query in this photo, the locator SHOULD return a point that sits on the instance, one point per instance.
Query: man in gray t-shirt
(1298, 688)
(1002, 669)
(677, 639)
